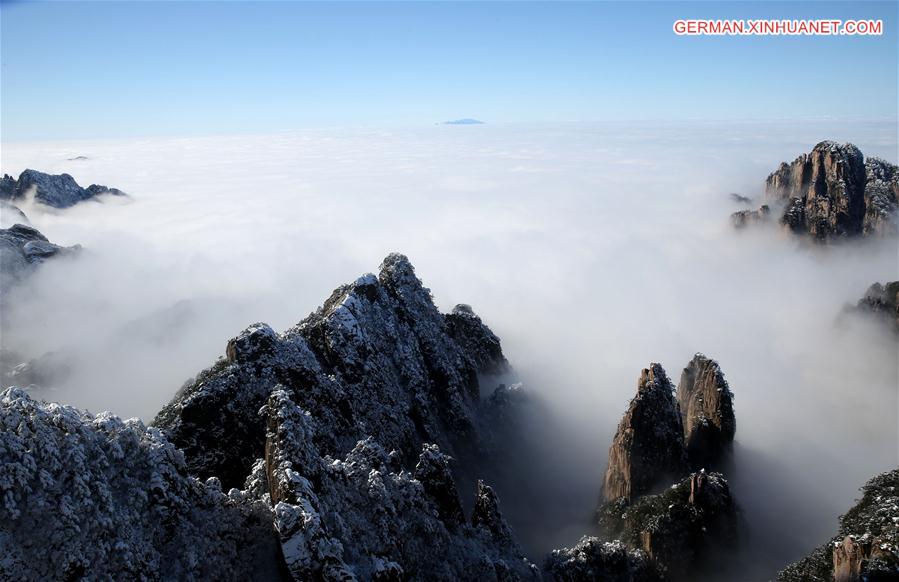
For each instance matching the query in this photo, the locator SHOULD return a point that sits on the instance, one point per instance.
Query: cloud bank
(592, 250)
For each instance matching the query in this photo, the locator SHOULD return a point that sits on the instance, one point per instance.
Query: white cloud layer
(591, 250)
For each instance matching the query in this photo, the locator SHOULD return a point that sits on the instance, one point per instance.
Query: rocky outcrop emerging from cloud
(55, 190)
(680, 527)
(866, 547)
(376, 358)
(97, 496)
(662, 434)
(341, 443)
(659, 439)
(707, 410)
(833, 193)
(363, 516)
(361, 405)
(22, 249)
(744, 218)
(648, 447)
(882, 303)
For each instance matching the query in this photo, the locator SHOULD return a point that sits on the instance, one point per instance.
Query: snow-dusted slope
(105, 498)
(343, 423)
(365, 517)
(377, 359)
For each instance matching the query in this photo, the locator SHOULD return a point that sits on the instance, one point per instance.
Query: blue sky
(75, 70)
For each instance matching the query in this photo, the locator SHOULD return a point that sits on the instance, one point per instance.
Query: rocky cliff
(377, 359)
(648, 447)
(346, 445)
(364, 516)
(361, 405)
(866, 547)
(744, 218)
(882, 303)
(98, 497)
(23, 248)
(680, 527)
(833, 193)
(58, 191)
(659, 438)
(707, 411)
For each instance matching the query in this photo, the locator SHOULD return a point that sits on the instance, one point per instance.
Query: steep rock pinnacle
(832, 192)
(707, 409)
(648, 447)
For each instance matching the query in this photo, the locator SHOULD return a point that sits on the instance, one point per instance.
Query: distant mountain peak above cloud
(464, 121)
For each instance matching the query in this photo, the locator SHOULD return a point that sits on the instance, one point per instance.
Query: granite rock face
(98, 497)
(659, 439)
(376, 359)
(744, 218)
(832, 193)
(344, 423)
(7, 187)
(707, 410)
(866, 547)
(827, 193)
(22, 249)
(882, 302)
(881, 196)
(481, 344)
(680, 527)
(648, 447)
(364, 517)
(55, 190)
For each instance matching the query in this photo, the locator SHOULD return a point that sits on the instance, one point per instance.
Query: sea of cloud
(592, 250)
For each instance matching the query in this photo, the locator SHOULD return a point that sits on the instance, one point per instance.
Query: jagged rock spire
(375, 369)
(707, 410)
(833, 192)
(377, 356)
(433, 470)
(648, 447)
(486, 515)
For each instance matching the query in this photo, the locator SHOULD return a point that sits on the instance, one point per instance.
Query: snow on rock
(658, 439)
(481, 344)
(866, 547)
(376, 359)
(487, 516)
(58, 191)
(648, 447)
(345, 423)
(833, 192)
(595, 560)
(364, 517)
(678, 527)
(881, 197)
(707, 410)
(880, 302)
(433, 471)
(22, 249)
(101, 497)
